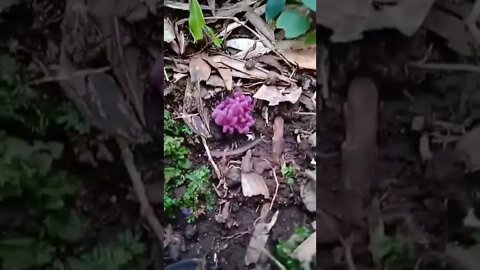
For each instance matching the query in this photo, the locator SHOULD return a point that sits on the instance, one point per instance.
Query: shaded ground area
(422, 208)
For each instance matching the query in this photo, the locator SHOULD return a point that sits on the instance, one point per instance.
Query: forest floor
(389, 123)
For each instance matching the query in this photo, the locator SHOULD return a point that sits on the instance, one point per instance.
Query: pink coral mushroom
(235, 114)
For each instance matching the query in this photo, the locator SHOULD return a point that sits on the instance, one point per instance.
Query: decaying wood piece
(277, 141)
(359, 150)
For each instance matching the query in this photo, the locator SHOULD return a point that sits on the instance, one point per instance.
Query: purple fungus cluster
(234, 114)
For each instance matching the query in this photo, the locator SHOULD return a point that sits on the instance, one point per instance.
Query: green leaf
(293, 23)
(311, 4)
(216, 40)
(196, 21)
(273, 8)
(68, 227)
(311, 38)
(24, 253)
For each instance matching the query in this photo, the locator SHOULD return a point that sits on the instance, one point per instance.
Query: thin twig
(276, 188)
(214, 165)
(64, 77)
(446, 66)
(146, 210)
(271, 257)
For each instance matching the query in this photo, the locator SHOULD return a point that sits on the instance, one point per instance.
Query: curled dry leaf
(273, 95)
(199, 69)
(253, 184)
(307, 249)
(247, 165)
(248, 48)
(259, 239)
(168, 31)
(304, 58)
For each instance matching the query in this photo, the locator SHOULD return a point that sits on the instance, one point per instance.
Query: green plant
(288, 173)
(393, 252)
(293, 19)
(117, 255)
(178, 172)
(285, 248)
(21, 104)
(197, 25)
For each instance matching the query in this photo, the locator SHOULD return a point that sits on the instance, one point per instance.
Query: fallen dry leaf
(308, 102)
(471, 220)
(313, 139)
(348, 19)
(230, 27)
(215, 81)
(197, 125)
(258, 240)
(260, 25)
(305, 58)
(168, 31)
(292, 44)
(253, 184)
(224, 71)
(247, 165)
(308, 193)
(307, 249)
(227, 77)
(469, 148)
(239, 70)
(452, 29)
(273, 95)
(271, 61)
(199, 69)
(248, 48)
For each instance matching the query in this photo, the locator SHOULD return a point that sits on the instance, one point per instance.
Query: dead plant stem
(145, 207)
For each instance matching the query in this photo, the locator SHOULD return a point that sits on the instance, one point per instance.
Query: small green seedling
(288, 173)
(179, 172)
(197, 25)
(393, 252)
(284, 249)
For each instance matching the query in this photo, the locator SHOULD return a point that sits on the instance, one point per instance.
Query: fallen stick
(145, 207)
(446, 66)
